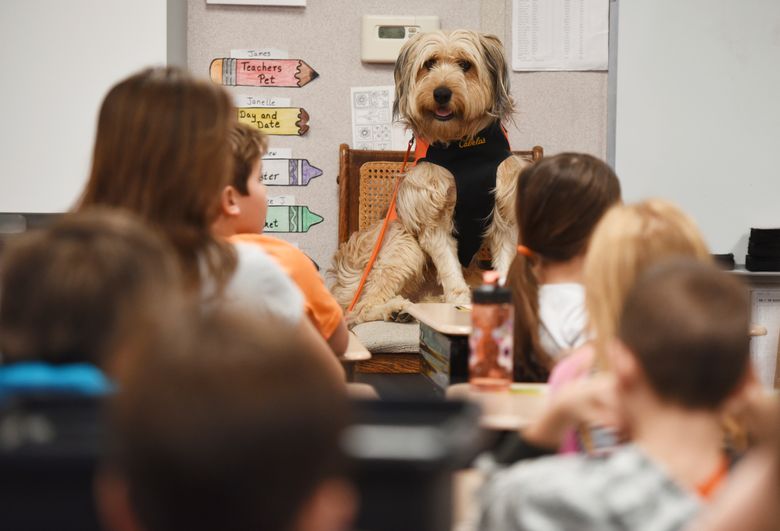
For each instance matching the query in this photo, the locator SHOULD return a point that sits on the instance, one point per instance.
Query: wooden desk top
(508, 410)
(355, 350)
(446, 318)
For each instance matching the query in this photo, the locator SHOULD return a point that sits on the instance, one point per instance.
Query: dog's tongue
(443, 112)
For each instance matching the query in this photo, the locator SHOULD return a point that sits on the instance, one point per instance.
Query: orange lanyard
(708, 487)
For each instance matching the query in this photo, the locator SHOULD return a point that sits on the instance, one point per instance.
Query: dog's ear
(403, 75)
(493, 50)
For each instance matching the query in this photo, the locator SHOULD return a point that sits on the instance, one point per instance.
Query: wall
(698, 113)
(560, 111)
(59, 60)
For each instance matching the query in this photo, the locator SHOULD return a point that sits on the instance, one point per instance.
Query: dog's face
(451, 85)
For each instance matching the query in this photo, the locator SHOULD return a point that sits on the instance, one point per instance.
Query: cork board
(561, 111)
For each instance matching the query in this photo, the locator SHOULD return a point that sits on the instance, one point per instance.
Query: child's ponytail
(559, 201)
(531, 362)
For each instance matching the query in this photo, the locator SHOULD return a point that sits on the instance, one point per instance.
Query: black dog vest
(473, 163)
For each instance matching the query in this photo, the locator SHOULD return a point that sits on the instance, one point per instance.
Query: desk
(515, 408)
(508, 410)
(355, 352)
(444, 341)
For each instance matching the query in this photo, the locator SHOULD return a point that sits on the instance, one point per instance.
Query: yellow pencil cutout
(285, 121)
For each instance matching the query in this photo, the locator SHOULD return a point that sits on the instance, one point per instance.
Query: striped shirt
(622, 491)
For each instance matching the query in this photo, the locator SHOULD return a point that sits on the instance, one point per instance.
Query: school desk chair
(366, 181)
(49, 450)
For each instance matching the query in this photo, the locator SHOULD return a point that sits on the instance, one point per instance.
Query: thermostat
(383, 36)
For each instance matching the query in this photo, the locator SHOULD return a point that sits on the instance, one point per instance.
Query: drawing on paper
(288, 172)
(372, 119)
(290, 218)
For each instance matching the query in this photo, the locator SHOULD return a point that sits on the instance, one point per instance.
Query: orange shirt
(320, 306)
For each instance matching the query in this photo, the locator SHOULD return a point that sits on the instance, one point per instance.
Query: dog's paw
(458, 296)
(401, 316)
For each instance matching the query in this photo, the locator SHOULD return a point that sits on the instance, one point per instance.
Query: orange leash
(391, 215)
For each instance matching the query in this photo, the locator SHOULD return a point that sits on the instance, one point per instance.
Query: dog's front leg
(502, 233)
(426, 202)
(442, 248)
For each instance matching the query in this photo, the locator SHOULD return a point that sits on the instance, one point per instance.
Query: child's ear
(624, 364)
(228, 202)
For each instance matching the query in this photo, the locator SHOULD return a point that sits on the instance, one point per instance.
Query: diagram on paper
(372, 119)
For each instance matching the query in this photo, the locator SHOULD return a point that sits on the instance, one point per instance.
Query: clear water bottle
(490, 342)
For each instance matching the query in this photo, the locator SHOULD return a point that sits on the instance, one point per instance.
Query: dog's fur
(473, 67)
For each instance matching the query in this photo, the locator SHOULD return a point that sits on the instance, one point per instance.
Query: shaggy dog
(452, 91)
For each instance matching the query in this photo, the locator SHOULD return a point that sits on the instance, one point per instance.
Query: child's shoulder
(287, 254)
(291, 259)
(268, 243)
(589, 490)
(576, 365)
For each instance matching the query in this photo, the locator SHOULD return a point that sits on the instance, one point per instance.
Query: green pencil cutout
(287, 218)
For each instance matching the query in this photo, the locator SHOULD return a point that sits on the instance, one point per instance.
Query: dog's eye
(430, 63)
(464, 65)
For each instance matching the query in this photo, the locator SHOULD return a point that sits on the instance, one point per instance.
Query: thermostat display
(395, 32)
(383, 36)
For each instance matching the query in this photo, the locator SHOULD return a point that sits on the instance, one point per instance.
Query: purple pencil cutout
(288, 172)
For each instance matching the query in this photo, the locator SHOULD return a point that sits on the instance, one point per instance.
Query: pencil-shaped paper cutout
(290, 218)
(262, 72)
(288, 172)
(276, 120)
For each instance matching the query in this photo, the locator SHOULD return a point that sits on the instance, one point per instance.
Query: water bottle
(490, 341)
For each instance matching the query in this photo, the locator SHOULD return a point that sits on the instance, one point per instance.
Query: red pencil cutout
(262, 72)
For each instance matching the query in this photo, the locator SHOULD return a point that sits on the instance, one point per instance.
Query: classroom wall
(58, 60)
(560, 111)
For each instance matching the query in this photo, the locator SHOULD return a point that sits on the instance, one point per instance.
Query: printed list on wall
(560, 35)
(254, 72)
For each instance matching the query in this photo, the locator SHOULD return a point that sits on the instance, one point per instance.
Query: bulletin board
(560, 111)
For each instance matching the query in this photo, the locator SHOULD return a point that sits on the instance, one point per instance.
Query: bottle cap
(491, 292)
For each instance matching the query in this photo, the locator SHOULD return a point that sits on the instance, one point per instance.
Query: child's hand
(756, 410)
(590, 401)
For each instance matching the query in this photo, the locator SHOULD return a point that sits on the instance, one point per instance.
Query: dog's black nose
(442, 95)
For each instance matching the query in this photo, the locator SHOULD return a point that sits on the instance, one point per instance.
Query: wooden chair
(366, 181)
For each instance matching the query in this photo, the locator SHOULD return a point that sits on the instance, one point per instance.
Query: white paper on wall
(277, 200)
(763, 349)
(262, 53)
(560, 34)
(243, 100)
(297, 3)
(278, 153)
(372, 119)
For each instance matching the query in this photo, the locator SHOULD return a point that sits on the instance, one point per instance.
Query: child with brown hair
(243, 207)
(559, 202)
(227, 424)
(73, 294)
(77, 299)
(680, 321)
(162, 151)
